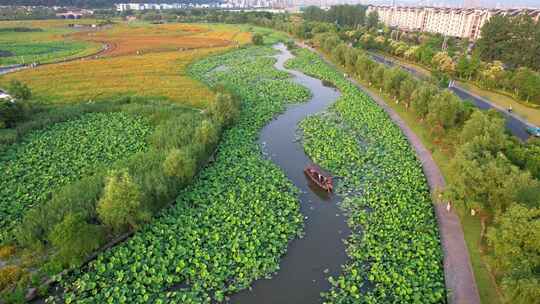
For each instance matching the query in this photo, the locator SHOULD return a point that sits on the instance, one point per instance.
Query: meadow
(24, 42)
(142, 60)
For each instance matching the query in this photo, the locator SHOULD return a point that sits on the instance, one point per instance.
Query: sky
(459, 3)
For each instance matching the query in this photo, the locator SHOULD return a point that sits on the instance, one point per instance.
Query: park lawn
(529, 112)
(159, 70)
(50, 42)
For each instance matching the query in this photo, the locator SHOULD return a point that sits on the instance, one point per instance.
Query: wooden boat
(320, 178)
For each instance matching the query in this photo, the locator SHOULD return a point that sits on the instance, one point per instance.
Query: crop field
(142, 60)
(397, 257)
(230, 226)
(23, 42)
(50, 158)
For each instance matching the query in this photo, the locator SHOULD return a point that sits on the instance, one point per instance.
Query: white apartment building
(456, 22)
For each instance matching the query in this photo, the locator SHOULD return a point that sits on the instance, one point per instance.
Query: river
(310, 260)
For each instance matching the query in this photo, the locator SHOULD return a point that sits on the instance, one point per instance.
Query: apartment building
(456, 22)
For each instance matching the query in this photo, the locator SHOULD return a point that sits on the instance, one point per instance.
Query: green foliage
(48, 159)
(19, 90)
(397, 255)
(446, 110)
(257, 39)
(181, 164)
(342, 15)
(484, 132)
(372, 19)
(230, 226)
(78, 198)
(11, 113)
(421, 99)
(526, 156)
(515, 241)
(224, 110)
(120, 205)
(75, 239)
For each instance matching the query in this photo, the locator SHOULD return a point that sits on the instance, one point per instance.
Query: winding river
(321, 252)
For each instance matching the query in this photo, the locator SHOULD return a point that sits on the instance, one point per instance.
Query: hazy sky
(459, 3)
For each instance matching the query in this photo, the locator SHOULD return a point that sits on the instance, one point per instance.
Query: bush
(10, 113)
(257, 39)
(77, 198)
(180, 163)
(9, 275)
(19, 90)
(74, 239)
(120, 207)
(224, 110)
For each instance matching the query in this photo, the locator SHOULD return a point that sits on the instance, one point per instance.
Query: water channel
(310, 260)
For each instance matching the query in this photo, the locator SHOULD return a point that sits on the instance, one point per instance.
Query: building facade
(456, 22)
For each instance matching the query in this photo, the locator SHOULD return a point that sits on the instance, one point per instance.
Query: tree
(495, 35)
(74, 239)
(485, 182)
(444, 63)
(121, 206)
(19, 90)
(257, 39)
(406, 89)
(372, 19)
(527, 84)
(485, 131)
(446, 110)
(515, 243)
(421, 98)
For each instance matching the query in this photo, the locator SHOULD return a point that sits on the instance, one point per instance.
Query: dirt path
(458, 273)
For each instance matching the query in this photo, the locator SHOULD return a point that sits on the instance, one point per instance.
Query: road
(516, 125)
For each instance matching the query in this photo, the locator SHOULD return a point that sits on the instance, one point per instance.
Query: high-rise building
(456, 22)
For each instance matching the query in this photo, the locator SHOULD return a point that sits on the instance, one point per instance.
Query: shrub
(9, 275)
(10, 113)
(120, 205)
(6, 251)
(257, 39)
(19, 90)
(74, 239)
(224, 110)
(180, 163)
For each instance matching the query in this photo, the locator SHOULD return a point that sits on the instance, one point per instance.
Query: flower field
(143, 60)
(50, 158)
(230, 226)
(395, 253)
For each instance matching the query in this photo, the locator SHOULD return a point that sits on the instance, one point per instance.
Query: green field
(24, 42)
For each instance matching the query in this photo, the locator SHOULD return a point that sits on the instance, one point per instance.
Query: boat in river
(319, 177)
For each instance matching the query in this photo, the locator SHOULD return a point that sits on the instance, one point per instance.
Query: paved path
(458, 273)
(516, 124)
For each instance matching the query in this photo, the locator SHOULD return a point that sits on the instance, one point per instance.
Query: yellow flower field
(146, 60)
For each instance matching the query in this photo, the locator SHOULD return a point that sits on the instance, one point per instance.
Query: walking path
(458, 273)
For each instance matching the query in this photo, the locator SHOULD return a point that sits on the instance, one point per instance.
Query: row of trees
(521, 82)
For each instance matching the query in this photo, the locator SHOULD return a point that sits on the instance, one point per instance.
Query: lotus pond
(230, 227)
(397, 258)
(47, 159)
